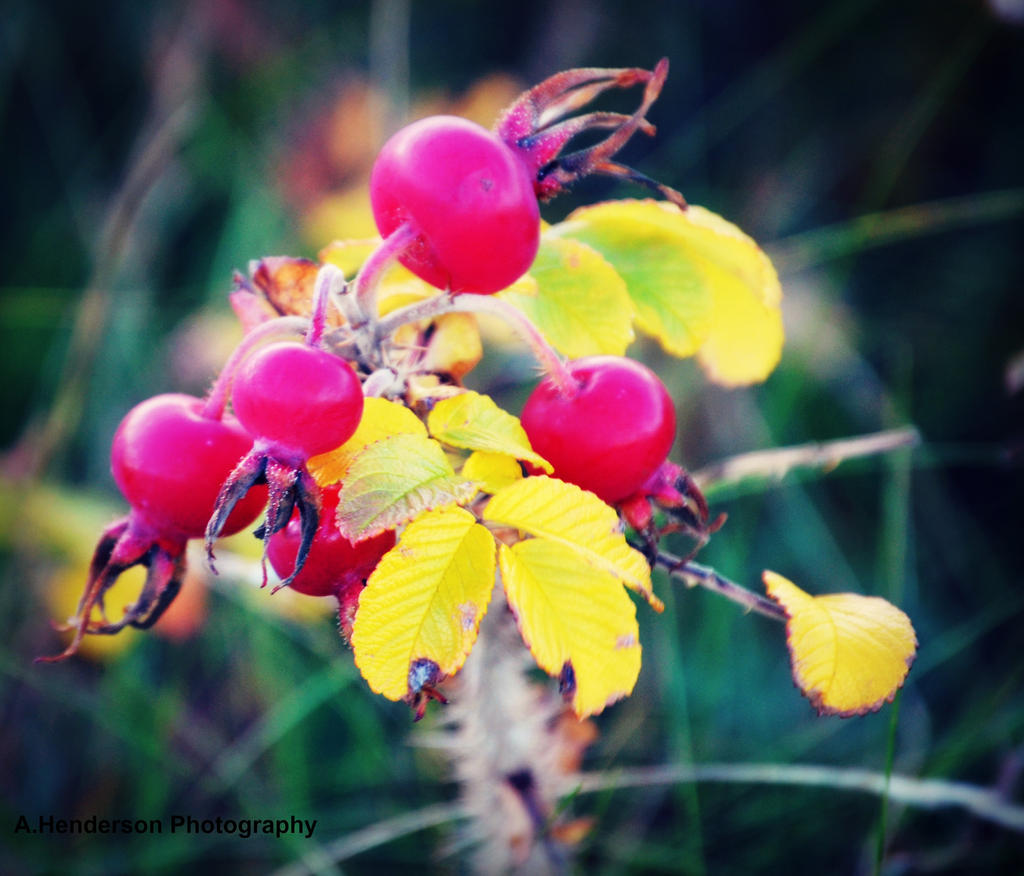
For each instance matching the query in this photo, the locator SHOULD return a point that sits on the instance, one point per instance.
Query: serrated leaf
(577, 300)
(491, 471)
(850, 653)
(698, 283)
(381, 418)
(392, 481)
(421, 609)
(474, 422)
(552, 509)
(576, 619)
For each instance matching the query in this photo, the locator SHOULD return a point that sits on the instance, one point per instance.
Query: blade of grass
(236, 759)
(980, 802)
(753, 88)
(887, 227)
(890, 756)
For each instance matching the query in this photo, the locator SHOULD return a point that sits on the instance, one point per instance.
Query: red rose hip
(469, 198)
(611, 434)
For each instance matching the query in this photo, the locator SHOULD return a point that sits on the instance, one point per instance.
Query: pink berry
(301, 399)
(611, 434)
(334, 566)
(170, 461)
(468, 195)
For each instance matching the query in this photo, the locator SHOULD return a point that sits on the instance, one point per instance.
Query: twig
(983, 803)
(696, 575)
(775, 464)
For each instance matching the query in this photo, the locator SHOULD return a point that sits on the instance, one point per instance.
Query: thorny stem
(504, 748)
(218, 397)
(696, 575)
(439, 305)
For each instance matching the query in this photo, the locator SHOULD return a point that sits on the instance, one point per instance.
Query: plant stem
(544, 353)
(504, 750)
(446, 302)
(696, 575)
(217, 400)
(776, 463)
(329, 279)
(368, 279)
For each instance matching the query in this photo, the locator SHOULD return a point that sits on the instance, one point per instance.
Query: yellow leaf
(346, 212)
(394, 480)
(454, 347)
(551, 509)
(746, 337)
(576, 619)
(474, 422)
(577, 300)
(421, 609)
(491, 471)
(348, 255)
(380, 419)
(850, 653)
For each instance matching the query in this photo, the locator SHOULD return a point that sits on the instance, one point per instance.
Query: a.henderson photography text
(243, 828)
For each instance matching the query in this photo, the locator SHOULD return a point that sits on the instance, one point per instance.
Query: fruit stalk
(549, 360)
(368, 279)
(329, 279)
(217, 400)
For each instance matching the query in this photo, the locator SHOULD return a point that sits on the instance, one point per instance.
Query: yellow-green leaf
(663, 277)
(577, 300)
(421, 609)
(850, 653)
(551, 509)
(474, 422)
(698, 283)
(576, 619)
(381, 418)
(392, 481)
(491, 471)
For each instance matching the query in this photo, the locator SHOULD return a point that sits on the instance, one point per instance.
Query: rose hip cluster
(458, 206)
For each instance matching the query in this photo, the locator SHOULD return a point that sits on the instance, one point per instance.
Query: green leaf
(474, 422)
(393, 480)
(381, 419)
(419, 614)
(576, 298)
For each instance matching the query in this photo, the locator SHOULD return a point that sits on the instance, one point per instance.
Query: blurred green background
(875, 150)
